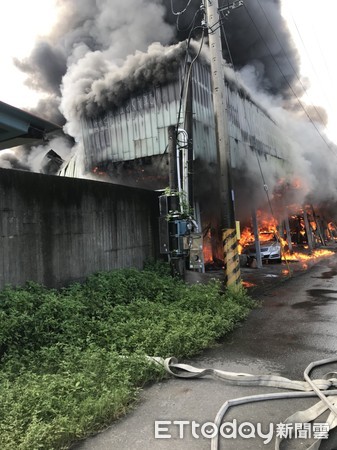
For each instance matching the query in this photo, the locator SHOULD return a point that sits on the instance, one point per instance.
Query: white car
(270, 247)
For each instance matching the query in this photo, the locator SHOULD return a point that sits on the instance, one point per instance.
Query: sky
(22, 21)
(313, 28)
(310, 22)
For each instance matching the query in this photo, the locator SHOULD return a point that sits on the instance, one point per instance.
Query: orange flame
(266, 224)
(269, 224)
(207, 248)
(296, 184)
(247, 284)
(97, 171)
(247, 236)
(319, 253)
(313, 225)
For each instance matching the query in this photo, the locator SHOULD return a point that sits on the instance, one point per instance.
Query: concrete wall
(54, 230)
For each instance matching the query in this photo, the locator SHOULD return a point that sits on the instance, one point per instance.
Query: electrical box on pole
(229, 237)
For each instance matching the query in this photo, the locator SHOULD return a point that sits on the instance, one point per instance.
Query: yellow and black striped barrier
(231, 257)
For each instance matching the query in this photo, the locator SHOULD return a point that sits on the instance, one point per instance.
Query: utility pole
(231, 256)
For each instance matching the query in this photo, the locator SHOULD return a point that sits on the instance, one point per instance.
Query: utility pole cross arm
(233, 5)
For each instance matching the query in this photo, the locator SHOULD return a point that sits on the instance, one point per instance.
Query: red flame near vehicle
(269, 224)
(266, 224)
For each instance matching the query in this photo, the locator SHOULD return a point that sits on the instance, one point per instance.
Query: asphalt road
(295, 325)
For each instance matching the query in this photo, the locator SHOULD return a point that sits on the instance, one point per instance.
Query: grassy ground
(73, 360)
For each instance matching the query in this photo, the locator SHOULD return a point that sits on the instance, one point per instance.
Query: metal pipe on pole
(231, 256)
(188, 125)
(172, 152)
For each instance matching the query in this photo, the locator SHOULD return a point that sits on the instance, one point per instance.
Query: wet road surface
(295, 324)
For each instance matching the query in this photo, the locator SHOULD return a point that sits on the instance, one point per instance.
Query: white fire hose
(309, 388)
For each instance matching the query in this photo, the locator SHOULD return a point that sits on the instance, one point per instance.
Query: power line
(256, 153)
(247, 121)
(291, 65)
(265, 186)
(190, 24)
(323, 57)
(308, 56)
(186, 75)
(179, 13)
(279, 68)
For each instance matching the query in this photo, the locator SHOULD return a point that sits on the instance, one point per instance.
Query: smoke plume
(258, 36)
(311, 155)
(93, 37)
(94, 57)
(32, 158)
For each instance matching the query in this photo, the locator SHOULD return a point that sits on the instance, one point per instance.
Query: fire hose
(309, 388)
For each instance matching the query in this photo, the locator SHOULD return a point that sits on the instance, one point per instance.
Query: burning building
(119, 96)
(125, 140)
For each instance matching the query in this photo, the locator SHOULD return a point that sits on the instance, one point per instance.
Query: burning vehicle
(280, 240)
(270, 246)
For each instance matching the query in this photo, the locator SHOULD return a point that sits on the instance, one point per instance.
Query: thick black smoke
(45, 67)
(100, 50)
(257, 35)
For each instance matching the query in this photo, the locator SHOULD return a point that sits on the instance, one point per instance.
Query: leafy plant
(186, 210)
(73, 360)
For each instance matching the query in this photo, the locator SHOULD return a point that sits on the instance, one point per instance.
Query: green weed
(72, 361)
